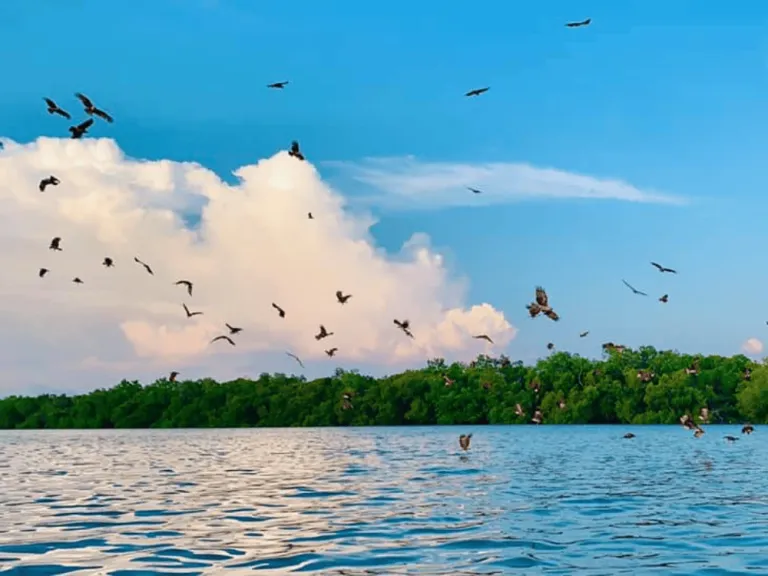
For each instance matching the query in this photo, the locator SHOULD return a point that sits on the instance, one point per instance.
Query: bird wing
(339, 295)
(50, 103)
(552, 315)
(295, 147)
(102, 114)
(186, 309)
(541, 297)
(64, 113)
(659, 266)
(85, 125)
(533, 309)
(84, 99)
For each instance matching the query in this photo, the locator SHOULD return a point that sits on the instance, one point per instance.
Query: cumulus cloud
(408, 182)
(752, 346)
(253, 245)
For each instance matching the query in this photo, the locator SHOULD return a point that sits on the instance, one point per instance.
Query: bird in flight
(42, 272)
(586, 22)
(295, 151)
(146, 266)
(108, 262)
(55, 244)
(190, 314)
(634, 290)
(233, 329)
(342, 299)
(331, 352)
(583, 334)
(405, 326)
(464, 441)
(747, 429)
(296, 358)
(474, 190)
(50, 181)
(172, 377)
(323, 333)
(662, 268)
(550, 346)
(53, 108)
(280, 311)
(278, 85)
(309, 216)
(664, 299)
(80, 129)
(186, 283)
(91, 110)
(542, 306)
(477, 91)
(483, 337)
(227, 338)
(77, 280)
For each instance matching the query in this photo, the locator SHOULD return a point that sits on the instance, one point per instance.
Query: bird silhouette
(477, 91)
(295, 151)
(53, 108)
(42, 272)
(541, 305)
(55, 244)
(634, 290)
(186, 283)
(662, 269)
(108, 262)
(664, 299)
(92, 110)
(50, 181)
(405, 326)
(331, 352)
(586, 22)
(309, 216)
(190, 314)
(77, 280)
(227, 338)
(79, 130)
(146, 266)
(342, 299)
(280, 311)
(583, 334)
(233, 329)
(323, 333)
(483, 337)
(464, 441)
(474, 190)
(278, 85)
(172, 376)
(296, 358)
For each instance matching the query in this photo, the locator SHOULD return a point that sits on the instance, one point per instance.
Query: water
(523, 500)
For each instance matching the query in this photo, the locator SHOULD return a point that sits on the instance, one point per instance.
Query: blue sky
(669, 97)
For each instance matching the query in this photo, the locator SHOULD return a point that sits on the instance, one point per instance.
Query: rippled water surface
(523, 500)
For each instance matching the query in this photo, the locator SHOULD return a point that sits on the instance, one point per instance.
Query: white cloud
(752, 346)
(407, 182)
(254, 245)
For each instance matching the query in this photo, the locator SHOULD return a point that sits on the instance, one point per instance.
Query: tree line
(643, 386)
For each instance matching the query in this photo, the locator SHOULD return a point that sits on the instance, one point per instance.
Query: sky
(598, 150)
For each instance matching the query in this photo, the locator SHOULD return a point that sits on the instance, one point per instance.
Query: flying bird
(477, 91)
(664, 299)
(81, 129)
(483, 337)
(42, 272)
(172, 377)
(550, 346)
(586, 22)
(629, 435)
(295, 151)
(747, 429)
(77, 280)
(227, 338)
(405, 326)
(662, 268)
(541, 305)
(278, 85)
(474, 190)
(55, 244)
(186, 283)
(146, 266)
(190, 314)
(323, 333)
(309, 216)
(730, 438)
(538, 417)
(296, 358)
(53, 108)
(91, 110)
(634, 290)
(341, 297)
(331, 352)
(233, 329)
(280, 311)
(50, 181)
(464, 441)
(519, 410)
(108, 262)
(584, 334)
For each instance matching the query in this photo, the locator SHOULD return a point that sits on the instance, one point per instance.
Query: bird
(341, 297)
(50, 181)
(233, 329)
(77, 280)
(689, 424)
(42, 272)
(664, 299)
(79, 130)
(693, 369)
(699, 433)
(296, 358)
(541, 305)
(550, 346)
(295, 151)
(538, 417)
(190, 314)
(645, 376)
(172, 377)
(448, 381)
(53, 108)
(730, 438)
(611, 347)
(634, 290)
(586, 22)
(108, 262)
(519, 410)
(747, 429)
(278, 85)
(309, 216)
(704, 415)
(404, 325)
(584, 334)
(323, 333)
(474, 190)
(186, 283)
(146, 266)
(662, 268)
(629, 435)
(331, 352)
(483, 337)
(280, 311)
(477, 91)
(227, 338)
(91, 110)
(55, 244)
(747, 374)
(464, 441)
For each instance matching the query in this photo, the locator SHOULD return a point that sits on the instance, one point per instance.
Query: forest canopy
(643, 386)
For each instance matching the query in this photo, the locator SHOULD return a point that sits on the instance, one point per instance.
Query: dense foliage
(642, 386)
